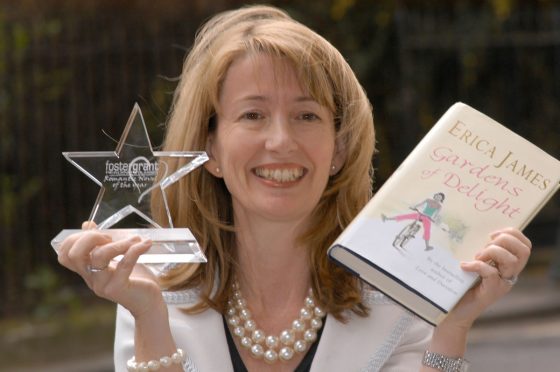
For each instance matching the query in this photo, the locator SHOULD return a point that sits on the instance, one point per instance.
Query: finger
(101, 256)
(483, 269)
(105, 282)
(508, 252)
(505, 262)
(76, 251)
(62, 251)
(130, 258)
(88, 225)
(489, 274)
(514, 232)
(513, 244)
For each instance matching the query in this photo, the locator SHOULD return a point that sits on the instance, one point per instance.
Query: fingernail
(134, 238)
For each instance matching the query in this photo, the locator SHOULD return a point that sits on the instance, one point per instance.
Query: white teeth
(280, 175)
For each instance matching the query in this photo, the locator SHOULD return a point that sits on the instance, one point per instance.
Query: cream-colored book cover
(468, 177)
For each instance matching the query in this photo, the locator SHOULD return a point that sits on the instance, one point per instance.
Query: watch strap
(444, 363)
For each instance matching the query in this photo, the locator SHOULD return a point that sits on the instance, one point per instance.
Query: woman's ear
(212, 165)
(339, 156)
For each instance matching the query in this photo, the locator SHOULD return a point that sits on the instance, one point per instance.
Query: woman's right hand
(91, 254)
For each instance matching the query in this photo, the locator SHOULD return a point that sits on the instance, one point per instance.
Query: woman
(289, 133)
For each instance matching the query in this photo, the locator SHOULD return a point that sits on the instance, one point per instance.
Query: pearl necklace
(272, 348)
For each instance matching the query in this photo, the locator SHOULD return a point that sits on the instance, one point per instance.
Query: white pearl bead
(241, 303)
(250, 325)
(310, 335)
(131, 365)
(257, 350)
(153, 365)
(300, 346)
(305, 314)
(246, 342)
(237, 295)
(309, 302)
(298, 325)
(286, 353)
(270, 356)
(165, 361)
(316, 323)
(272, 342)
(245, 314)
(239, 331)
(231, 311)
(177, 358)
(319, 312)
(234, 321)
(287, 337)
(258, 336)
(142, 367)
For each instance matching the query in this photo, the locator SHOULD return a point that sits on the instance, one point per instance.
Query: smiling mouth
(280, 175)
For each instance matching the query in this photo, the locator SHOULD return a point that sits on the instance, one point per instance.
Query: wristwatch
(445, 363)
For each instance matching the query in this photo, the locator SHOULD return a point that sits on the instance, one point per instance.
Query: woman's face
(274, 145)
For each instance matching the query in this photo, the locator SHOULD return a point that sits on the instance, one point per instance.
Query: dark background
(72, 69)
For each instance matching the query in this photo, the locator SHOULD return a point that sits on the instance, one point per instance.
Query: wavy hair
(201, 201)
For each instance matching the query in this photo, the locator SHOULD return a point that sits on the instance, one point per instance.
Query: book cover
(468, 177)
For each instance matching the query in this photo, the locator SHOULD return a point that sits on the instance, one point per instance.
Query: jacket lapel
(204, 334)
(359, 343)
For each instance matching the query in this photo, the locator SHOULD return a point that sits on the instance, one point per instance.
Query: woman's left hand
(498, 265)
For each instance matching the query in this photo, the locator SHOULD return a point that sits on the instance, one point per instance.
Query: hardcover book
(468, 177)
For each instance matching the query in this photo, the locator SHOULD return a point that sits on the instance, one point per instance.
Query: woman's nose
(280, 137)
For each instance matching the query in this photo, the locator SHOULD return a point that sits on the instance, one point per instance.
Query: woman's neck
(273, 271)
(273, 274)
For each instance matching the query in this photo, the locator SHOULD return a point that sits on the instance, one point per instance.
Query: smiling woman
(259, 85)
(289, 133)
(274, 144)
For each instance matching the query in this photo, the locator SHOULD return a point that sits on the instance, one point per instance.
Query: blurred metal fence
(65, 76)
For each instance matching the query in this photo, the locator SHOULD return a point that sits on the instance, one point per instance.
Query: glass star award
(128, 179)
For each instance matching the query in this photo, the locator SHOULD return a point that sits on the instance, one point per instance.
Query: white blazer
(390, 339)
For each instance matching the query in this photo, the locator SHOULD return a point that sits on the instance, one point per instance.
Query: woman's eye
(309, 116)
(252, 116)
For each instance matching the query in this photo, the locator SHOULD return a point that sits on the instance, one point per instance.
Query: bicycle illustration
(420, 218)
(409, 232)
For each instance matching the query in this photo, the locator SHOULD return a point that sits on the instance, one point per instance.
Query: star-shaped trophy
(128, 179)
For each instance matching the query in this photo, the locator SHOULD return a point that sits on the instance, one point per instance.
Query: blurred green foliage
(50, 294)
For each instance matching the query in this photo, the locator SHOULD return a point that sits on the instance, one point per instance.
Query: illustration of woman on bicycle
(424, 212)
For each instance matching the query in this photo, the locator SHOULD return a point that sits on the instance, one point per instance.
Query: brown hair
(201, 201)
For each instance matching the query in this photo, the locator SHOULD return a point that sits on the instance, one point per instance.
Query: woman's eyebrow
(257, 97)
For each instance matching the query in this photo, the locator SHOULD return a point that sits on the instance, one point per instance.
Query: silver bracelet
(444, 363)
(153, 365)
